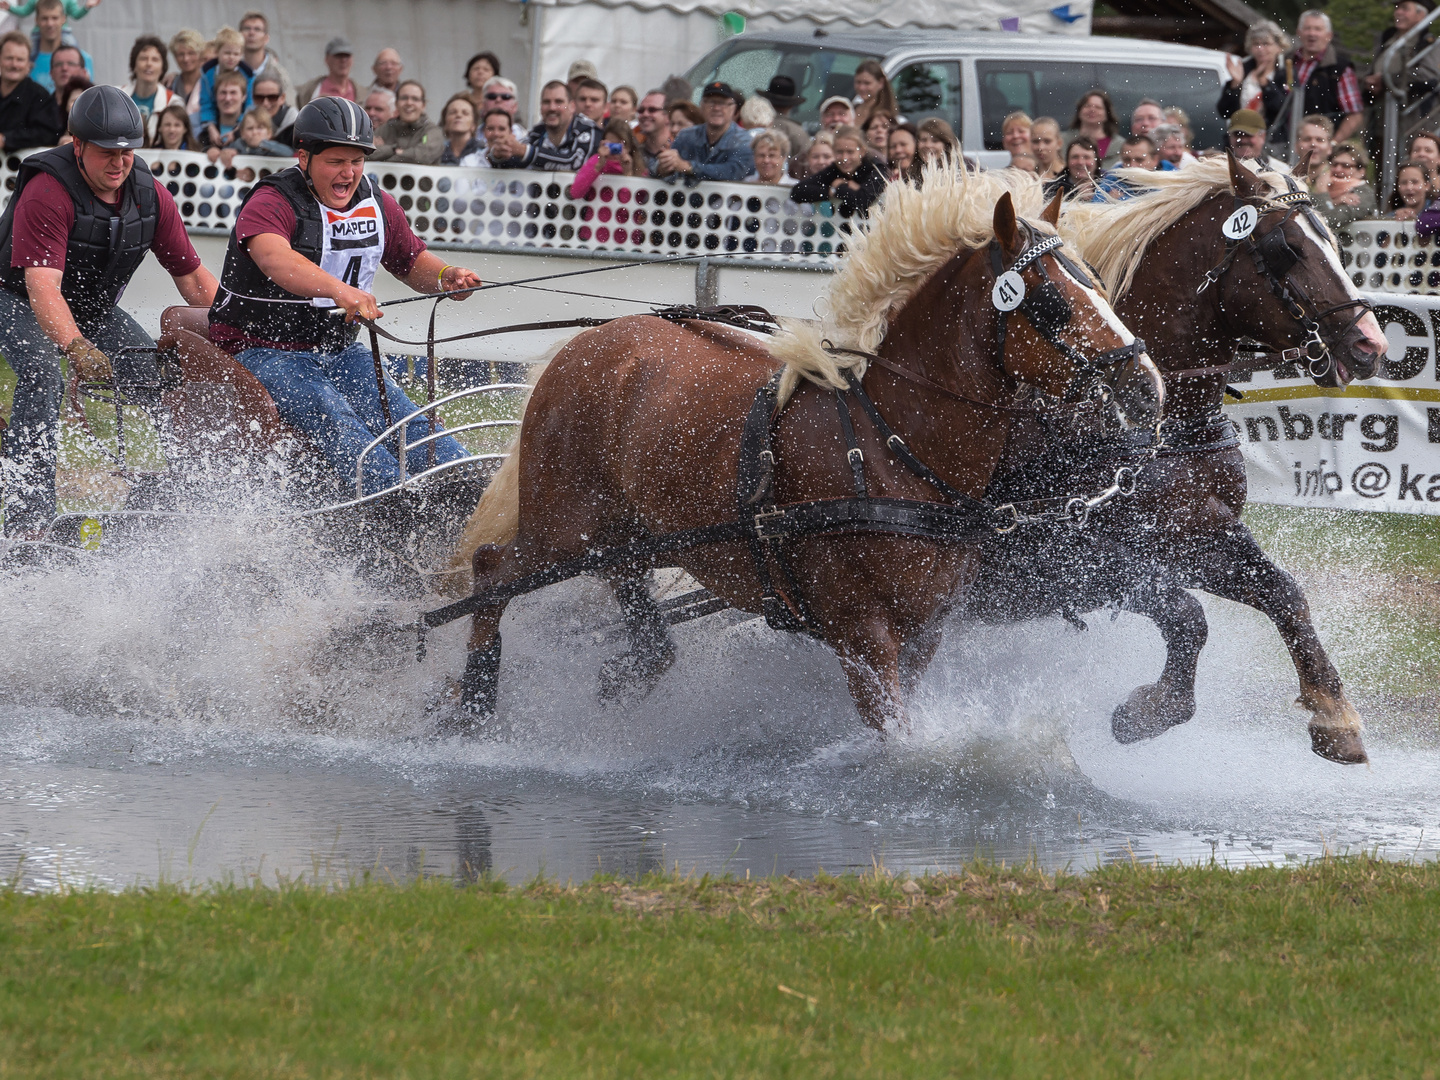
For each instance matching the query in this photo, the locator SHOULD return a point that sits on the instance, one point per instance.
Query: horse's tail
(495, 520)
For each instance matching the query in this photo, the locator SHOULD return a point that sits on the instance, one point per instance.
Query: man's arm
(51, 311)
(197, 288)
(1353, 104)
(430, 274)
(737, 161)
(296, 274)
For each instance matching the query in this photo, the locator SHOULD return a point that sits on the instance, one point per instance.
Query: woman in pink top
(618, 154)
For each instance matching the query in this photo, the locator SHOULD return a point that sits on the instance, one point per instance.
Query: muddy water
(233, 704)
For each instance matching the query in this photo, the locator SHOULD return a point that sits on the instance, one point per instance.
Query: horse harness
(766, 526)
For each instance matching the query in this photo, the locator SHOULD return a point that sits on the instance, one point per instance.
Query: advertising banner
(1373, 446)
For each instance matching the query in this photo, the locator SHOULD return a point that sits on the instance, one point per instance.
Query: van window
(928, 89)
(819, 73)
(1051, 89)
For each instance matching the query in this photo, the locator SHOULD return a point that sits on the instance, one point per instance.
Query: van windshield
(749, 66)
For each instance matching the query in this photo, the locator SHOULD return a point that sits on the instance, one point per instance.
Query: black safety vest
(253, 304)
(107, 243)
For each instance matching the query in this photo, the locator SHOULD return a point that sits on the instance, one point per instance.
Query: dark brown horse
(1183, 528)
(634, 430)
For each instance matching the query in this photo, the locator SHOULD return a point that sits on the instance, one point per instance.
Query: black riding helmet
(331, 121)
(106, 117)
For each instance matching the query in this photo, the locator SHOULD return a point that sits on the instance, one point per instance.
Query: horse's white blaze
(1368, 324)
(1108, 314)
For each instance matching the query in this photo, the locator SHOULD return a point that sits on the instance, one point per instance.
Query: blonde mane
(911, 234)
(1113, 236)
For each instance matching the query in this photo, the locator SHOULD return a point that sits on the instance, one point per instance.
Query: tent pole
(537, 54)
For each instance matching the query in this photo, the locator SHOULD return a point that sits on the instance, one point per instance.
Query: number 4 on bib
(351, 276)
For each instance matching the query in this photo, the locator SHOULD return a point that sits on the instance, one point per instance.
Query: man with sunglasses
(653, 129)
(80, 223)
(268, 93)
(498, 93)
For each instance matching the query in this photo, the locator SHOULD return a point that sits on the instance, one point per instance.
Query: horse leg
(870, 658)
(1236, 567)
(1170, 700)
(917, 652)
(481, 681)
(651, 649)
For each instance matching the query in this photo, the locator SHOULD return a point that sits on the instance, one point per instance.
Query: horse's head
(1066, 340)
(1280, 282)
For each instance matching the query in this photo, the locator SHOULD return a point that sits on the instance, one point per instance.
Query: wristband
(440, 278)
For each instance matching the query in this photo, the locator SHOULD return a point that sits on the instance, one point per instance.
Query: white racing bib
(352, 243)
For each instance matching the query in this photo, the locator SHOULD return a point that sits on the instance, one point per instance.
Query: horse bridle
(1048, 312)
(1274, 258)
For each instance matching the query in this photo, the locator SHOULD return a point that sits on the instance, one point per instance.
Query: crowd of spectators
(230, 95)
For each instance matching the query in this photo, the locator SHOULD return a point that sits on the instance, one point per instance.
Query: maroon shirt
(46, 214)
(269, 211)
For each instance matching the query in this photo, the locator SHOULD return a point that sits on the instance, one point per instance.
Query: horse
(635, 430)
(1192, 292)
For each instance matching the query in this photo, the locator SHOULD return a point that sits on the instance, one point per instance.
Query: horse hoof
(634, 675)
(1341, 745)
(1150, 711)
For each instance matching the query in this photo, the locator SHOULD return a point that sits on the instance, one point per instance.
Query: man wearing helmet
(75, 231)
(308, 240)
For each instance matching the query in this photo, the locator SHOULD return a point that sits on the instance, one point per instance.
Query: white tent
(638, 42)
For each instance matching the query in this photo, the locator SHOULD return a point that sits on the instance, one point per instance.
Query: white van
(973, 80)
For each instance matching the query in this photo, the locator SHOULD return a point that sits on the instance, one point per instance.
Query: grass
(1324, 970)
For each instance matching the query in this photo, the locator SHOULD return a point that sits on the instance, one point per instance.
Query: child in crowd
(229, 58)
(903, 153)
(231, 90)
(619, 154)
(1414, 191)
(172, 129)
(852, 182)
(623, 103)
(877, 134)
(822, 153)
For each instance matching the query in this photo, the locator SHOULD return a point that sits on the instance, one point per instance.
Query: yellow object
(91, 533)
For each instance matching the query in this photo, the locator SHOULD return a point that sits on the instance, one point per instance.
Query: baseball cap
(722, 89)
(841, 98)
(338, 46)
(1248, 121)
(582, 69)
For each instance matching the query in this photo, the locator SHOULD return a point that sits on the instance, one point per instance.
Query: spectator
(255, 137)
(1082, 157)
(1181, 119)
(836, 112)
(1342, 194)
(146, 87)
(1328, 77)
(74, 9)
(255, 31)
(781, 94)
(590, 98)
(1424, 77)
(1424, 146)
(684, 114)
(186, 47)
(1257, 83)
(494, 131)
(172, 129)
(379, 106)
(877, 133)
(1139, 152)
(387, 69)
(872, 93)
(1023, 161)
(67, 66)
(229, 56)
(66, 98)
(562, 141)
(719, 150)
(937, 141)
(677, 88)
(1095, 119)
(267, 93)
(1015, 133)
(1414, 190)
(821, 154)
(1045, 144)
(463, 147)
(755, 116)
(1317, 140)
(1170, 146)
(502, 94)
(1146, 117)
(480, 69)
(580, 69)
(1247, 140)
(231, 88)
(29, 116)
(903, 153)
(336, 82)
(411, 136)
(623, 103)
(617, 154)
(653, 128)
(852, 182)
(50, 26)
(771, 149)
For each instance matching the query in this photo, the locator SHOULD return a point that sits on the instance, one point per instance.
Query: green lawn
(1326, 970)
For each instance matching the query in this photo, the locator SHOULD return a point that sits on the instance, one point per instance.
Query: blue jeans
(332, 398)
(31, 443)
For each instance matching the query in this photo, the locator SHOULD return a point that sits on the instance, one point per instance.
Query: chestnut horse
(634, 430)
(1183, 529)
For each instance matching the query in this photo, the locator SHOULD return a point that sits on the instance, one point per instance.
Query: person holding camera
(618, 154)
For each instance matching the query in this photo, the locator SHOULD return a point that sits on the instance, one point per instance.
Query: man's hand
(670, 161)
(2, 141)
(457, 277)
(227, 156)
(357, 304)
(88, 362)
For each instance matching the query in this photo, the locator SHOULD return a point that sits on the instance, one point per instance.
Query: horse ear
(1007, 231)
(1051, 213)
(1244, 182)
